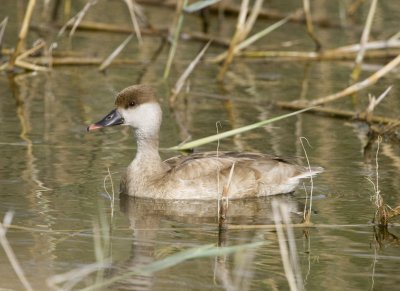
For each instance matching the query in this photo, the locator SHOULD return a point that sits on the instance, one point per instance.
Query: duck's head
(136, 106)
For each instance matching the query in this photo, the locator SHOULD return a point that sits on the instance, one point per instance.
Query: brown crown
(135, 95)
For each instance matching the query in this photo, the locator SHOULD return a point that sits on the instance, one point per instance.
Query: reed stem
(10, 253)
(360, 85)
(364, 39)
(23, 33)
(177, 31)
(309, 23)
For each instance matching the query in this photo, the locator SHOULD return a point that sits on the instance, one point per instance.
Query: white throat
(145, 119)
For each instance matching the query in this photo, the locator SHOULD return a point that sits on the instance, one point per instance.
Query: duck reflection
(145, 211)
(163, 227)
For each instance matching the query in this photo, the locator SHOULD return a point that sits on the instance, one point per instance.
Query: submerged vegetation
(241, 43)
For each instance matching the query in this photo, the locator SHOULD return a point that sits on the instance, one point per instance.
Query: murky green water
(52, 171)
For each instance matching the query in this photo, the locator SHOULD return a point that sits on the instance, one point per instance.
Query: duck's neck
(147, 155)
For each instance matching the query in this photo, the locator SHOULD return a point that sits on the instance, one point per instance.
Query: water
(52, 171)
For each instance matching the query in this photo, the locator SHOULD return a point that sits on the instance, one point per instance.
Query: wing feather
(210, 163)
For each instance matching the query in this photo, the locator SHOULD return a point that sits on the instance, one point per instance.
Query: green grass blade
(212, 138)
(170, 261)
(200, 252)
(199, 5)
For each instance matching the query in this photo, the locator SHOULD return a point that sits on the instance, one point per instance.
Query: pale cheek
(146, 117)
(130, 118)
(132, 122)
(136, 121)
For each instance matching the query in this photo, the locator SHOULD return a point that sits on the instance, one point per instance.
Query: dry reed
(107, 62)
(185, 75)
(326, 111)
(10, 253)
(112, 195)
(245, 43)
(383, 212)
(353, 7)
(21, 60)
(88, 25)
(3, 25)
(224, 200)
(309, 24)
(235, 39)
(307, 210)
(134, 11)
(374, 49)
(364, 39)
(177, 30)
(373, 102)
(270, 14)
(360, 85)
(287, 246)
(23, 33)
(77, 19)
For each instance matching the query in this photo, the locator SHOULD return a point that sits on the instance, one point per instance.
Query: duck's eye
(132, 103)
(108, 117)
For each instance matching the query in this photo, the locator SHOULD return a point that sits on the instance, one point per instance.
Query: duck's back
(240, 175)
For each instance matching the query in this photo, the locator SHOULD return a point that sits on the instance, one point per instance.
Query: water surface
(52, 171)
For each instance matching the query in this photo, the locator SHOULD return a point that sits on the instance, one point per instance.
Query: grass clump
(383, 212)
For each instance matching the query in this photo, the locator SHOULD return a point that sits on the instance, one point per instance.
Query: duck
(197, 176)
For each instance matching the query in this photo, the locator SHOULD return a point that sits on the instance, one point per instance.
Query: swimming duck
(196, 176)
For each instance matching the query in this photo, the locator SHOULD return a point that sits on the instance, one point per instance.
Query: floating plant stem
(216, 137)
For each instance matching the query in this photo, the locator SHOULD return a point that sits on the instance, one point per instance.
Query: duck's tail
(309, 172)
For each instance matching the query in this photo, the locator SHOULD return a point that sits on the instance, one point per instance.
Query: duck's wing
(244, 174)
(197, 165)
(209, 163)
